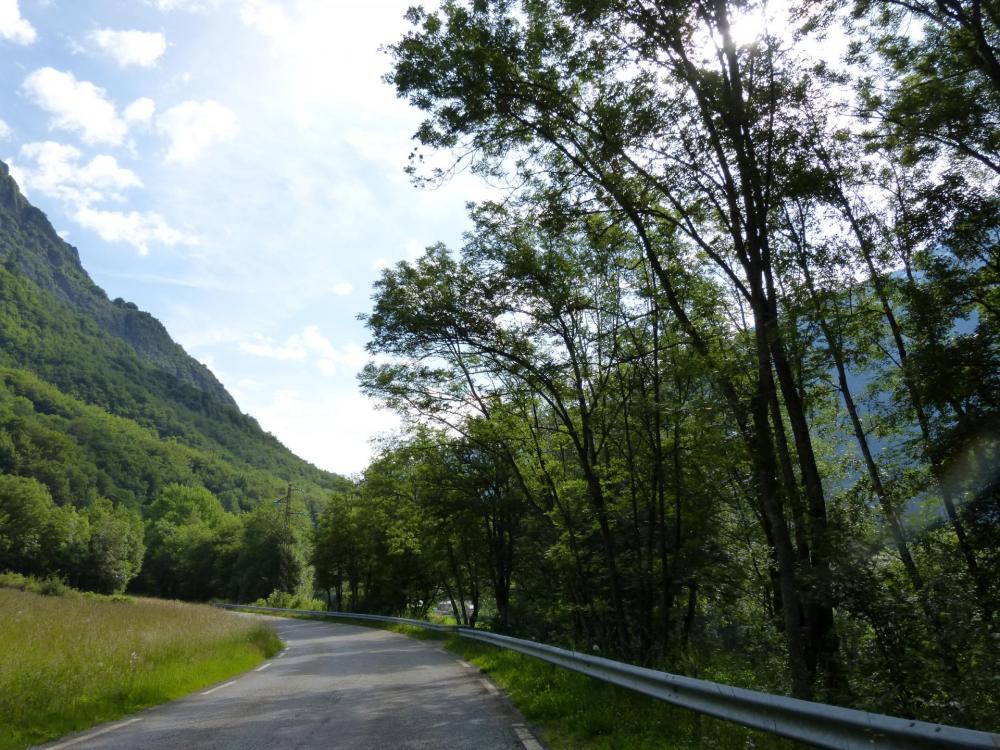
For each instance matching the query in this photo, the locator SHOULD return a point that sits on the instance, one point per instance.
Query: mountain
(80, 372)
(30, 246)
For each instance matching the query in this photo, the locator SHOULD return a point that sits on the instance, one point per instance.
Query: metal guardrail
(345, 616)
(816, 723)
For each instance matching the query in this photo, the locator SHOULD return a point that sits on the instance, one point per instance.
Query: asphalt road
(334, 686)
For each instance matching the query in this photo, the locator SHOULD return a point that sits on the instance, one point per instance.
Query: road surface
(334, 686)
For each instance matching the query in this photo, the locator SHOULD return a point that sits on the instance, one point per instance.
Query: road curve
(334, 686)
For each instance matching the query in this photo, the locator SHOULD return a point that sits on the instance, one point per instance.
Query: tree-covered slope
(30, 247)
(58, 325)
(123, 461)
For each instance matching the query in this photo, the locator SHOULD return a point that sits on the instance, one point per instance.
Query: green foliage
(112, 438)
(99, 548)
(270, 557)
(192, 544)
(115, 550)
(285, 600)
(45, 587)
(731, 356)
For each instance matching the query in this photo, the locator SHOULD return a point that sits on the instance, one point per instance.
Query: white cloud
(5, 131)
(130, 47)
(140, 112)
(308, 38)
(342, 289)
(312, 346)
(262, 346)
(269, 18)
(415, 250)
(76, 106)
(384, 148)
(55, 170)
(136, 228)
(194, 126)
(332, 430)
(191, 6)
(13, 26)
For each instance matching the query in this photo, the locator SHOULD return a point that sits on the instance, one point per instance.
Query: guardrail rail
(816, 723)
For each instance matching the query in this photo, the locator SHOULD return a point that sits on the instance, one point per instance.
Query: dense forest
(123, 461)
(716, 388)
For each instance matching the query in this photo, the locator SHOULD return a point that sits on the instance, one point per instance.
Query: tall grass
(576, 711)
(69, 662)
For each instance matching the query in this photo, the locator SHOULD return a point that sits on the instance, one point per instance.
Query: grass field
(72, 661)
(576, 712)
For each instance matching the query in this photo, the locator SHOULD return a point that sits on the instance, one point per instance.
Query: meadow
(71, 661)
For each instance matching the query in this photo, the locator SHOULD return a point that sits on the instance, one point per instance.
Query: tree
(189, 539)
(691, 149)
(116, 548)
(25, 509)
(940, 87)
(270, 557)
(693, 224)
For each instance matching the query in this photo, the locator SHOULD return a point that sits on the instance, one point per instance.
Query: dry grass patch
(69, 662)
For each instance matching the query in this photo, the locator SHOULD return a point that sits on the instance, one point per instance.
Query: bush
(284, 600)
(44, 586)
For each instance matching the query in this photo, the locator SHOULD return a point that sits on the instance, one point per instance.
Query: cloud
(131, 47)
(342, 289)
(311, 346)
(194, 126)
(269, 18)
(140, 112)
(191, 6)
(77, 106)
(58, 171)
(136, 228)
(262, 346)
(55, 170)
(332, 430)
(13, 26)
(5, 131)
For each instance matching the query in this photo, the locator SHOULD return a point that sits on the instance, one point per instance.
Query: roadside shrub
(284, 600)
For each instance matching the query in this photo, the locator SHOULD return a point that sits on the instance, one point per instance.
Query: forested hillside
(102, 416)
(717, 387)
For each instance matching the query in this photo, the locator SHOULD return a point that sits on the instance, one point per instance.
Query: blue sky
(235, 167)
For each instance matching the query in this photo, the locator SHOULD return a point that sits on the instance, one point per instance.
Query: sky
(234, 167)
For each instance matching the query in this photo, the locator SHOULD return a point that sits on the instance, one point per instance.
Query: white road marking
(490, 687)
(90, 736)
(262, 667)
(527, 738)
(465, 664)
(219, 687)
